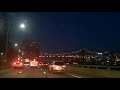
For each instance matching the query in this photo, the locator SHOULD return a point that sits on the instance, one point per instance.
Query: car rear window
(59, 63)
(26, 62)
(45, 63)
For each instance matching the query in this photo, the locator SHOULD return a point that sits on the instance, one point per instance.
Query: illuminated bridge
(67, 57)
(77, 54)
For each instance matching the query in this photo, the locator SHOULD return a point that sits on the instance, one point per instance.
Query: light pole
(6, 46)
(5, 22)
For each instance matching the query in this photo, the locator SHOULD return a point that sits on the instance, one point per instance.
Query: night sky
(59, 32)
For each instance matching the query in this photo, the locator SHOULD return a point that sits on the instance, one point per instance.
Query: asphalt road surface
(34, 73)
(71, 72)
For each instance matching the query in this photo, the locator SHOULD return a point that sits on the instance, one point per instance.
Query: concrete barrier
(97, 67)
(93, 73)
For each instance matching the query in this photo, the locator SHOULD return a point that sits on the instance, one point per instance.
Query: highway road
(71, 72)
(34, 73)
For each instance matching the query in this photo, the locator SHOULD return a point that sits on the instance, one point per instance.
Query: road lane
(58, 75)
(9, 73)
(35, 73)
(74, 75)
(32, 73)
(22, 73)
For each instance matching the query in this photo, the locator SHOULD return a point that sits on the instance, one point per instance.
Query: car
(44, 64)
(26, 64)
(17, 64)
(34, 64)
(40, 64)
(57, 66)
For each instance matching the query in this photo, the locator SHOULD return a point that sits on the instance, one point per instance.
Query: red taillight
(21, 63)
(18, 62)
(63, 66)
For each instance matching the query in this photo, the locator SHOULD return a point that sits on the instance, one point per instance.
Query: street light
(1, 53)
(22, 26)
(16, 44)
(19, 51)
(5, 21)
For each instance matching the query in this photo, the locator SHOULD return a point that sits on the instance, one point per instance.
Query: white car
(34, 64)
(57, 66)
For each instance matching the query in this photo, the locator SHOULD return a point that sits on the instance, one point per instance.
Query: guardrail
(97, 66)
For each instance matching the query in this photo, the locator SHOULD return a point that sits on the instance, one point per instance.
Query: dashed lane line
(73, 75)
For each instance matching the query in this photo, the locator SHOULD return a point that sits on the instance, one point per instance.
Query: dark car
(26, 64)
(44, 64)
(17, 64)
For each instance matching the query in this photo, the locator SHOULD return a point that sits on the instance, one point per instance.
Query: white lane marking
(44, 72)
(73, 75)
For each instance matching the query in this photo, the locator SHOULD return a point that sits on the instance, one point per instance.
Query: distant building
(30, 49)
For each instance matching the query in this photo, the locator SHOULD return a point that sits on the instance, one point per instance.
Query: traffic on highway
(32, 69)
(59, 45)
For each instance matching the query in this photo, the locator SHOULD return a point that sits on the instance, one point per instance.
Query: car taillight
(63, 66)
(21, 63)
(46, 64)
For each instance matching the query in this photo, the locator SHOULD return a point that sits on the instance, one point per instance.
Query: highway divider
(92, 73)
(96, 66)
